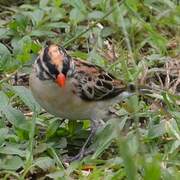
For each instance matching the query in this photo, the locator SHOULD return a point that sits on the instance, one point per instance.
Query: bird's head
(55, 56)
(55, 63)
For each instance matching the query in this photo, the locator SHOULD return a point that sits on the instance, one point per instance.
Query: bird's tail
(144, 89)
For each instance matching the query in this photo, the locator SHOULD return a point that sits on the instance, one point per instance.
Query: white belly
(59, 101)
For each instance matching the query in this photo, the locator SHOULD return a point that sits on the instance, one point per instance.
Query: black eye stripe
(42, 73)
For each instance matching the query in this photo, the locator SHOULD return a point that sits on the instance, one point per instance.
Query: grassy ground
(138, 41)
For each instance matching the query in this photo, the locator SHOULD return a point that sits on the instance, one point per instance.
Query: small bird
(74, 89)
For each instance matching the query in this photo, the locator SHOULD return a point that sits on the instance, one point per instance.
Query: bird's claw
(79, 156)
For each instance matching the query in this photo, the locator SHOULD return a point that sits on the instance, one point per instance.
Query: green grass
(137, 41)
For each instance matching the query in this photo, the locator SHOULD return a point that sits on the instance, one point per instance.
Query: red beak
(60, 80)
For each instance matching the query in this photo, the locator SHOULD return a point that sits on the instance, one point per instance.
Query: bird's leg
(83, 152)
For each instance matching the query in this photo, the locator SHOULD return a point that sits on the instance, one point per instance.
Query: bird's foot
(83, 152)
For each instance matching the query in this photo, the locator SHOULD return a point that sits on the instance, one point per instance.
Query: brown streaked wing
(94, 83)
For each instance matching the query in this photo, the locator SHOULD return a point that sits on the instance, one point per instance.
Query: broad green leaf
(57, 2)
(23, 57)
(3, 32)
(27, 7)
(105, 136)
(44, 163)
(43, 3)
(176, 115)
(52, 128)
(95, 58)
(12, 149)
(56, 174)
(95, 15)
(25, 41)
(41, 32)
(132, 104)
(172, 128)
(36, 16)
(26, 96)
(57, 25)
(56, 15)
(16, 118)
(119, 11)
(22, 47)
(3, 132)
(3, 135)
(4, 100)
(133, 4)
(157, 130)
(11, 163)
(76, 16)
(62, 132)
(40, 148)
(72, 125)
(106, 31)
(175, 146)
(19, 24)
(35, 47)
(3, 50)
(171, 4)
(156, 39)
(78, 4)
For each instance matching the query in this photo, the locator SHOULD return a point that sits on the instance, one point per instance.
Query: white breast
(61, 102)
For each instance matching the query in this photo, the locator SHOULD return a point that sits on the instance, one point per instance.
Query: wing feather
(94, 83)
